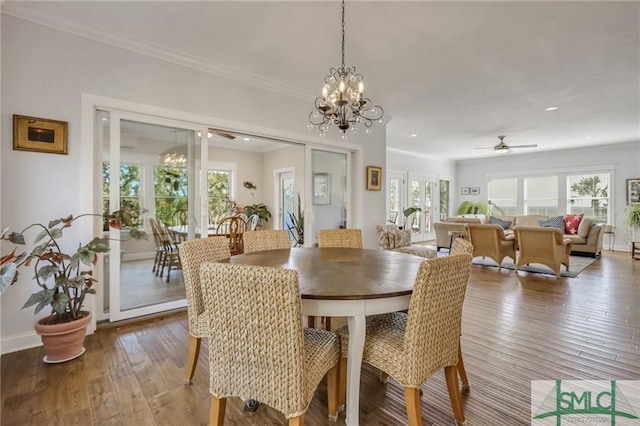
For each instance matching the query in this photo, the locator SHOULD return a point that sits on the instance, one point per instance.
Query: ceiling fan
(503, 148)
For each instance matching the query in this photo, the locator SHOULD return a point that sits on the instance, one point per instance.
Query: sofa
(587, 240)
(391, 237)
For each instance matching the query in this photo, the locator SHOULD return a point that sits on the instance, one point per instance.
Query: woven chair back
(340, 238)
(192, 254)
(272, 239)
(461, 246)
(435, 314)
(256, 345)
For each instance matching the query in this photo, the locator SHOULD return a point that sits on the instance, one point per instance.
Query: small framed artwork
(633, 191)
(374, 178)
(321, 188)
(474, 190)
(39, 134)
(465, 190)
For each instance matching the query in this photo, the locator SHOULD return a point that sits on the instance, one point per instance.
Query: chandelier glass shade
(343, 102)
(176, 156)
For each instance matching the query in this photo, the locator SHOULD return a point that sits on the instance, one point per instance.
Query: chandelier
(343, 102)
(176, 156)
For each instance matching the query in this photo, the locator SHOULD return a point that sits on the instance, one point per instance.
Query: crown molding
(29, 13)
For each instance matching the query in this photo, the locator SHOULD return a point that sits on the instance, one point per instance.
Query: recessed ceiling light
(588, 137)
(413, 135)
(246, 139)
(552, 108)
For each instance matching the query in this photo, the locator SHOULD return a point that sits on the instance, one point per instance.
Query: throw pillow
(571, 223)
(383, 240)
(585, 227)
(497, 221)
(554, 222)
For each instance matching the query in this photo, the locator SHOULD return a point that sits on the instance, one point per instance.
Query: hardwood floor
(516, 328)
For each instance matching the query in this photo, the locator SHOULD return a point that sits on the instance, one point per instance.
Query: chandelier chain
(343, 67)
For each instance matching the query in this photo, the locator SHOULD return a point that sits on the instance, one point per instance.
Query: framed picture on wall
(321, 188)
(39, 134)
(633, 191)
(465, 190)
(374, 178)
(474, 190)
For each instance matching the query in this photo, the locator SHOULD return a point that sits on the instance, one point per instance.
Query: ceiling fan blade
(223, 134)
(484, 147)
(524, 146)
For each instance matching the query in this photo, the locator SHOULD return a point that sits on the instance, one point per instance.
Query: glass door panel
(150, 169)
(329, 192)
(286, 201)
(395, 198)
(421, 195)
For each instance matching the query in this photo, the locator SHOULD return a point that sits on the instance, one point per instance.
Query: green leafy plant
(408, 212)
(486, 208)
(63, 279)
(297, 219)
(632, 217)
(259, 209)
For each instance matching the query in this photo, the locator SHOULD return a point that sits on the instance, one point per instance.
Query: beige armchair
(542, 245)
(490, 241)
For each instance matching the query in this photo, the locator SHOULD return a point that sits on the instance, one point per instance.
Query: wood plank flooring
(516, 328)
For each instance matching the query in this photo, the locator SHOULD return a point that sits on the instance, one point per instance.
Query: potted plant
(260, 209)
(408, 212)
(632, 218)
(63, 280)
(478, 207)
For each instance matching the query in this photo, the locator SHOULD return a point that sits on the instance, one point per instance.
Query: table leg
(357, 332)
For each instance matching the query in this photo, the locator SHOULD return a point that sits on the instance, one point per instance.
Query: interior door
(151, 167)
(286, 200)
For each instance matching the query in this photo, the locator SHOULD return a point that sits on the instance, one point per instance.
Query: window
(589, 194)
(218, 187)
(503, 195)
(541, 196)
(170, 190)
(129, 190)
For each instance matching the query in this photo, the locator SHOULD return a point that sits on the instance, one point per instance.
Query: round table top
(342, 273)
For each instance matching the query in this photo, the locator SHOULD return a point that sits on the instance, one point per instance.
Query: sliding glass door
(421, 195)
(151, 170)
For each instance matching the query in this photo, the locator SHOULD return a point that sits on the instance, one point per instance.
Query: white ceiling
(456, 74)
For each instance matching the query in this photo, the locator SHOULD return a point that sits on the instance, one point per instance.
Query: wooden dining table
(351, 283)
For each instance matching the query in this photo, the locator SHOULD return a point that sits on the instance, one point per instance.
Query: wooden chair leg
(451, 374)
(192, 358)
(384, 377)
(462, 372)
(332, 392)
(327, 323)
(412, 399)
(311, 322)
(342, 385)
(297, 421)
(218, 407)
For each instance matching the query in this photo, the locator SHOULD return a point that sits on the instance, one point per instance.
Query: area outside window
(129, 190)
(171, 194)
(589, 195)
(503, 194)
(541, 196)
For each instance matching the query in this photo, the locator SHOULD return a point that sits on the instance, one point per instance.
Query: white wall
(623, 157)
(44, 72)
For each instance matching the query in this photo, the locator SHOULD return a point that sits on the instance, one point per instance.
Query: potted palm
(408, 212)
(63, 280)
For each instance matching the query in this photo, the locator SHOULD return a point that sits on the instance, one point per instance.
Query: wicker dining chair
(258, 347)
(461, 246)
(337, 238)
(340, 238)
(412, 347)
(271, 239)
(192, 254)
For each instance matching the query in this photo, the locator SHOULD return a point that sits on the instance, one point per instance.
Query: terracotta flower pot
(63, 342)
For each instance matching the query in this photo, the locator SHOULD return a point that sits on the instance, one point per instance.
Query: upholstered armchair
(391, 237)
(542, 245)
(489, 241)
